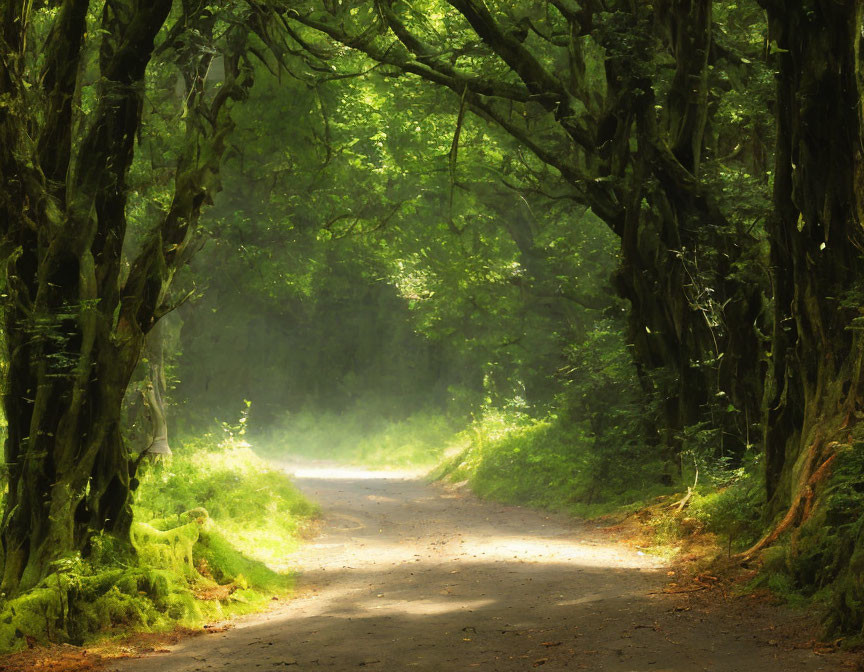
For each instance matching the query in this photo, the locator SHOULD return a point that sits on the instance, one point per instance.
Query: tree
(636, 138)
(323, 224)
(79, 297)
(814, 387)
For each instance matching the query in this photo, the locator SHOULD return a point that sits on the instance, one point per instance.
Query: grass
(252, 505)
(361, 436)
(561, 466)
(213, 526)
(549, 464)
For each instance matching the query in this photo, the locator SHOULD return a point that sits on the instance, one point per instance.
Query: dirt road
(408, 576)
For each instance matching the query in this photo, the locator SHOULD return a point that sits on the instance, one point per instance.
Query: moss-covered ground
(213, 524)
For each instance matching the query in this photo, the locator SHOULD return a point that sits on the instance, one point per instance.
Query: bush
(732, 511)
(549, 463)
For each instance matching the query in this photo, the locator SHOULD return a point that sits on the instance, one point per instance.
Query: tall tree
(813, 396)
(78, 301)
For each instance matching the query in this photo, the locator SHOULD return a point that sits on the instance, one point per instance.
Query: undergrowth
(551, 464)
(211, 524)
(561, 465)
(821, 563)
(363, 435)
(818, 565)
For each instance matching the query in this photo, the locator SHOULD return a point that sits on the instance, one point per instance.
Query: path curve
(411, 576)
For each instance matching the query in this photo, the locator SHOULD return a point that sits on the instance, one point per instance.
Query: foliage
(733, 510)
(550, 463)
(545, 234)
(602, 391)
(338, 269)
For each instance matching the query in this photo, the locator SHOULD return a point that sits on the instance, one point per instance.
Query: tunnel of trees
(641, 218)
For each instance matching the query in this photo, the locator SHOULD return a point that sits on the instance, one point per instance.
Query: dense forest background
(581, 254)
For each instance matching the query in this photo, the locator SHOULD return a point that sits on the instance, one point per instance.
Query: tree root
(801, 507)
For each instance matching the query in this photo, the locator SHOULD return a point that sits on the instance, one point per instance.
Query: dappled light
(409, 576)
(434, 334)
(334, 472)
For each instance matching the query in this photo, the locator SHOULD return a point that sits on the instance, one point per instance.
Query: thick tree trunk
(69, 359)
(692, 318)
(68, 465)
(813, 393)
(75, 318)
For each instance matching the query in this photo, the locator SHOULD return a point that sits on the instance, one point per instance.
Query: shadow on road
(408, 576)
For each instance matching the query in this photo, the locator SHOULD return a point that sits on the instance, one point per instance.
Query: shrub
(551, 463)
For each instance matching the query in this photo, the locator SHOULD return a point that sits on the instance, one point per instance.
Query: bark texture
(813, 391)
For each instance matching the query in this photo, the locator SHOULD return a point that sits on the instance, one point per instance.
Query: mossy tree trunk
(75, 312)
(814, 390)
(692, 317)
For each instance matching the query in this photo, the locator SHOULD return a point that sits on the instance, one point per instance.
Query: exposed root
(801, 507)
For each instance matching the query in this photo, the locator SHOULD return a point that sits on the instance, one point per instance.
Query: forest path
(411, 576)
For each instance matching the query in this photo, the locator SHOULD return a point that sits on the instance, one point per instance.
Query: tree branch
(449, 77)
(172, 243)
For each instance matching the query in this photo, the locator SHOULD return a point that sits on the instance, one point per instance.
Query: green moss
(38, 614)
(182, 607)
(229, 565)
(116, 607)
(179, 554)
(774, 560)
(170, 549)
(253, 505)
